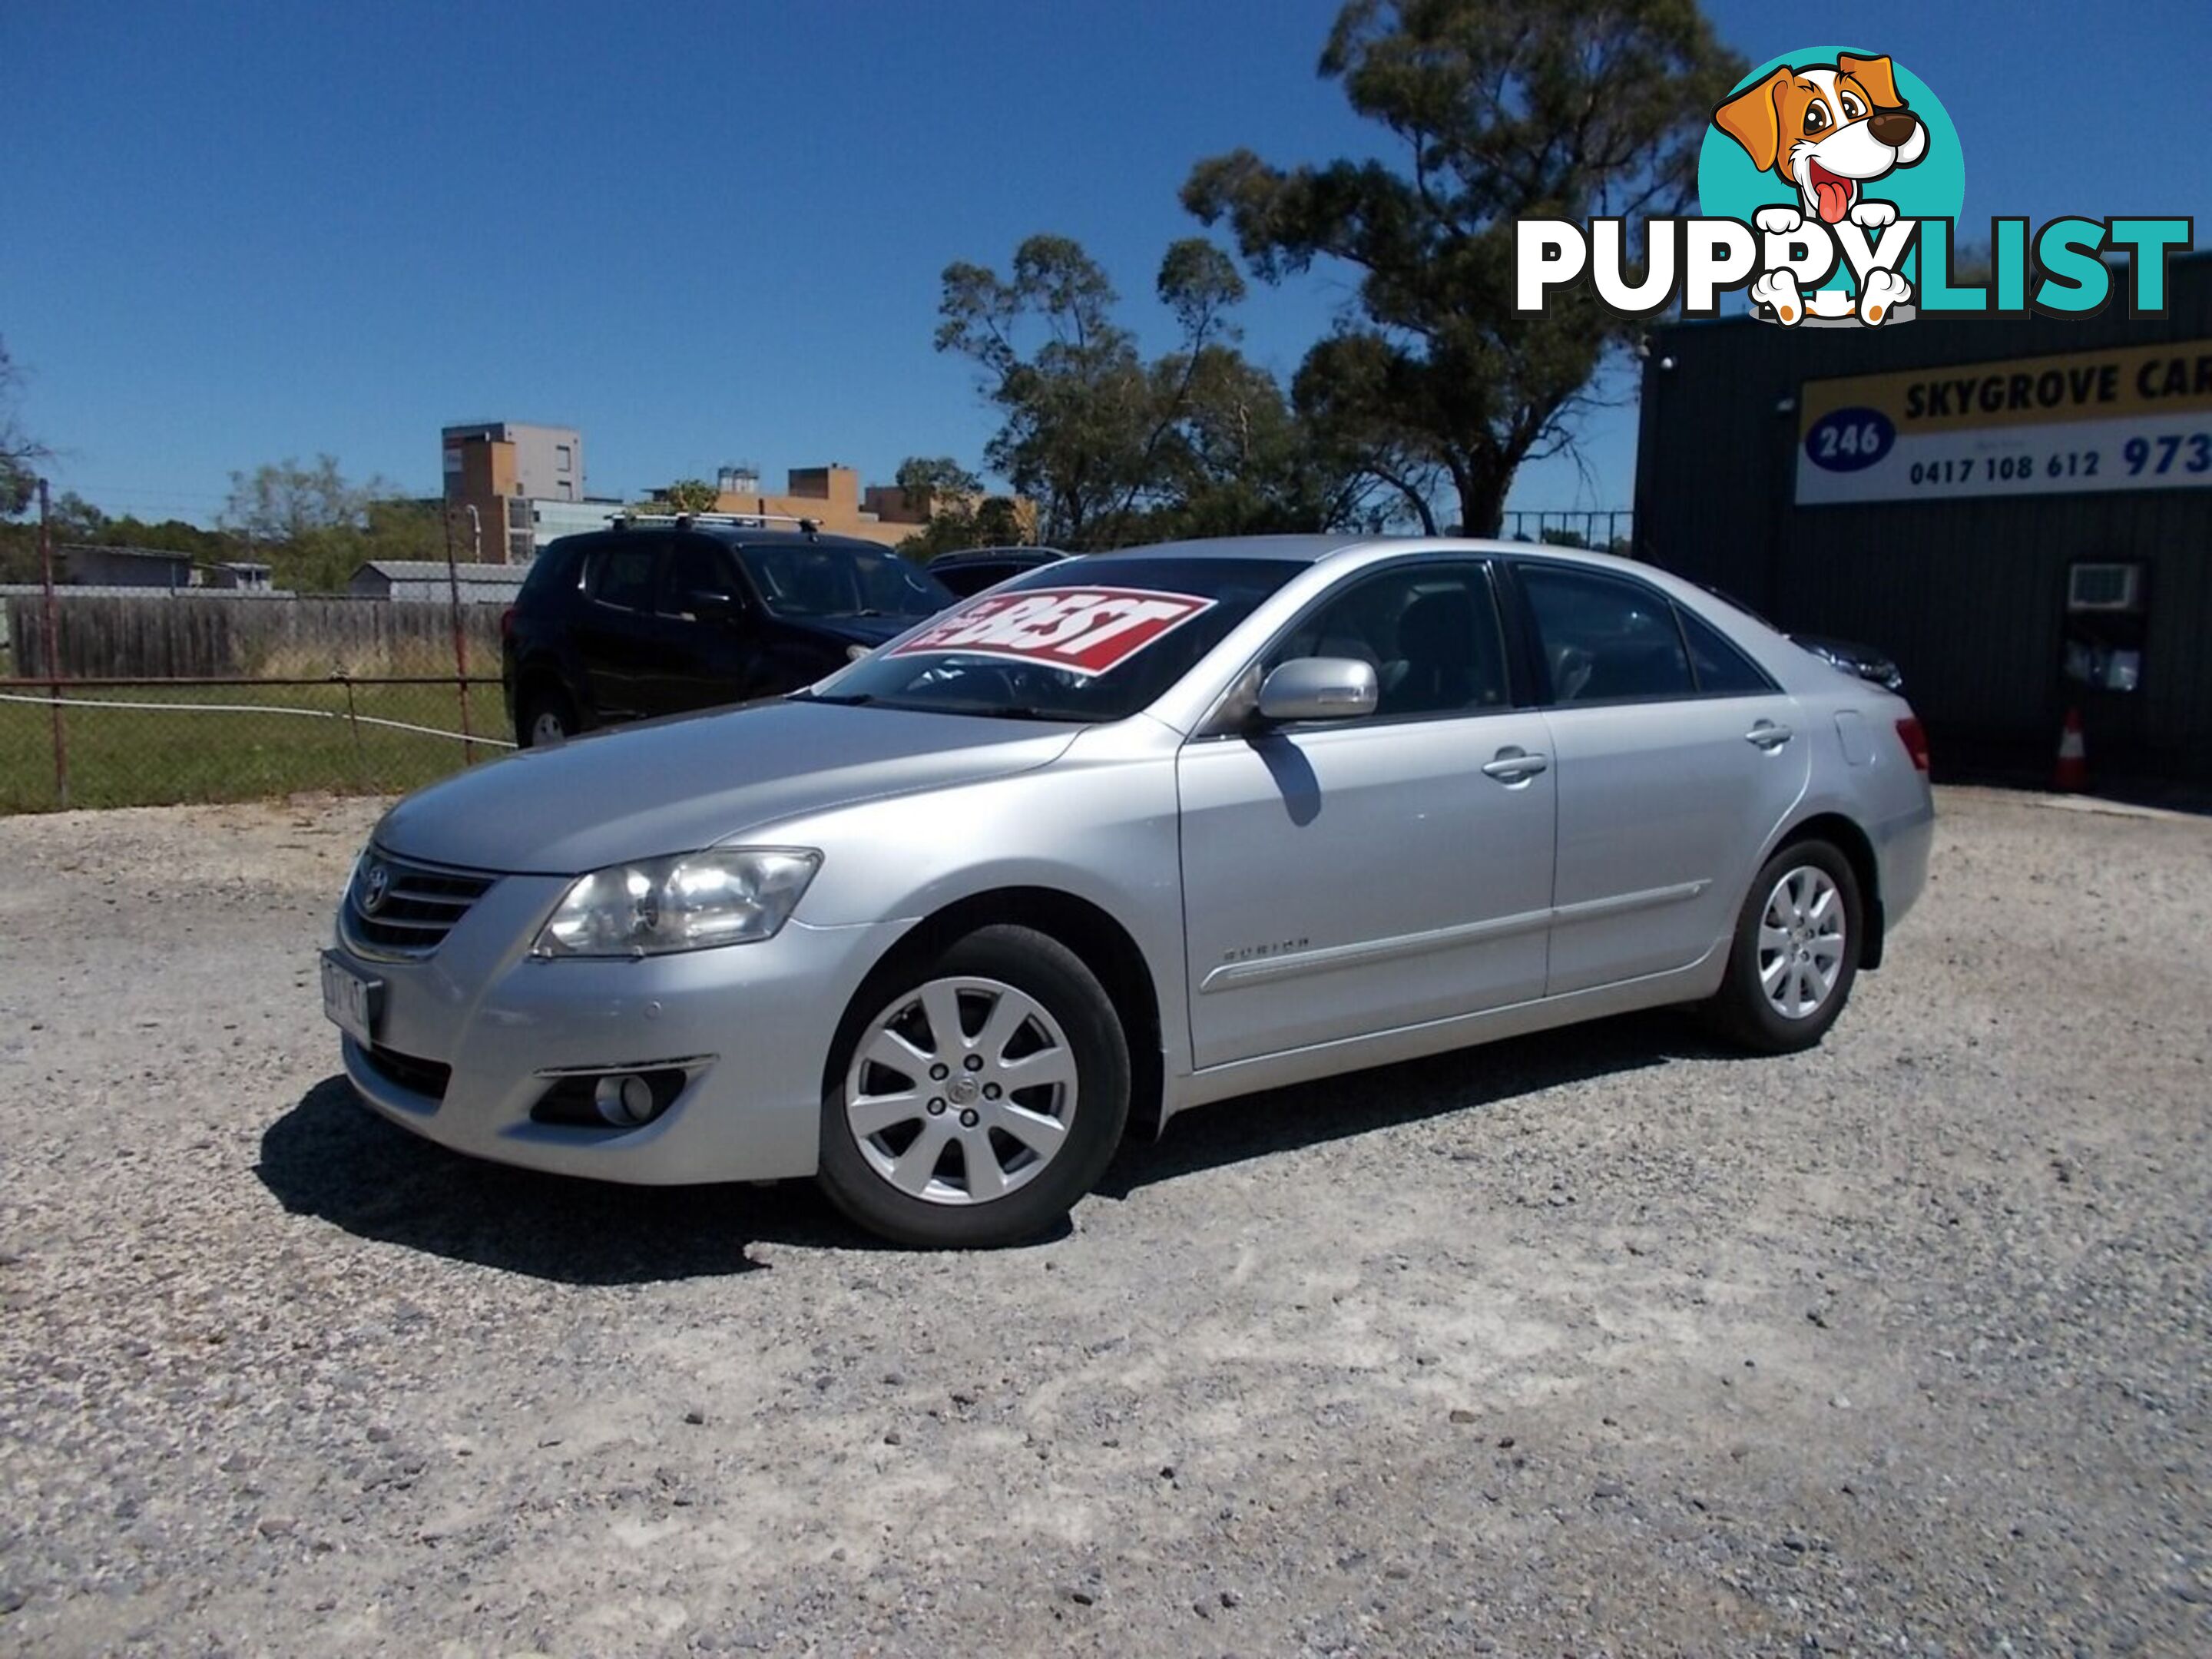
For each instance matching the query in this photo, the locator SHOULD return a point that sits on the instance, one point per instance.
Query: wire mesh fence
(140, 741)
(1609, 530)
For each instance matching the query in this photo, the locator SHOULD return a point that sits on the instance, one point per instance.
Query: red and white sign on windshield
(1081, 630)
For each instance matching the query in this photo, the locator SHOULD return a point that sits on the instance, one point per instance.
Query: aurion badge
(375, 882)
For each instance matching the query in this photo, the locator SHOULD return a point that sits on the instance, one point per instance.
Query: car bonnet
(679, 785)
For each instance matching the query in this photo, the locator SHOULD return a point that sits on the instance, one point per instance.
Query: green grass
(190, 752)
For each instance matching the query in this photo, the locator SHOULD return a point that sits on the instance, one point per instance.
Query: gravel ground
(1601, 1343)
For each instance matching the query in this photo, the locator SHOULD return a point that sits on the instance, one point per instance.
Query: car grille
(420, 905)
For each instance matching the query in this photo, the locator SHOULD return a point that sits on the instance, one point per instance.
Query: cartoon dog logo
(1828, 130)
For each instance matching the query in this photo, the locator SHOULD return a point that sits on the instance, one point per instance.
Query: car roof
(1312, 549)
(734, 535)
(739, 536)
(1300, 550)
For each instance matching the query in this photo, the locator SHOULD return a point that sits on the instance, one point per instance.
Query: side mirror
(1319, 688)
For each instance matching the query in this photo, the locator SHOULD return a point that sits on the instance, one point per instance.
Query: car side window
(1723, 669)
(695, 566)
(804, 581)
(1431, 633)
(1605, 640)
(623, 576)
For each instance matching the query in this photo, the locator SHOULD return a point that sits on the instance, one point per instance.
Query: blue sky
(709, 233)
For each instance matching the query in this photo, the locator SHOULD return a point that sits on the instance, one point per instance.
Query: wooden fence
(161, 635)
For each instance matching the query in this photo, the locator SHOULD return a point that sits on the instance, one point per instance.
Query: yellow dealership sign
(2137, 417)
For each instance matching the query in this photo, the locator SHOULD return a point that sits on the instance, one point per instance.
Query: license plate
(350, 1001)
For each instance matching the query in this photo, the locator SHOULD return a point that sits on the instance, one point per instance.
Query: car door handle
(1515, 765)
(1766, 734)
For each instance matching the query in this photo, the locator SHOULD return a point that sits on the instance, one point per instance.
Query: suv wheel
(545, 718)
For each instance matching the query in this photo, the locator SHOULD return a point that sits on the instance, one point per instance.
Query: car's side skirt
(1692, 983)
(1264, 970)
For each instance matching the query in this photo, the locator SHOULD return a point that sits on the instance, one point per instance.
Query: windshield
(810, 579)
(1044, 646)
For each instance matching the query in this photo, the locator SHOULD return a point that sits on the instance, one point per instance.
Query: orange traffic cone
(2072, 772)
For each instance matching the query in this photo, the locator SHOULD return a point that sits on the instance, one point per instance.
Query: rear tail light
(1915, 739)
(506, 623)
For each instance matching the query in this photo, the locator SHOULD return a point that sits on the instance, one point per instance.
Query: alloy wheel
(961, 1091)
(1801, 942)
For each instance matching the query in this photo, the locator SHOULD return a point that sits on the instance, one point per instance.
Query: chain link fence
(122, 742)
(138, 698)
(1609, 530)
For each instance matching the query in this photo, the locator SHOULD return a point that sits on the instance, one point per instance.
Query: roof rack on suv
(685, 520)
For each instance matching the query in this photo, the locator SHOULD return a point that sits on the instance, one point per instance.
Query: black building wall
(1967, 594)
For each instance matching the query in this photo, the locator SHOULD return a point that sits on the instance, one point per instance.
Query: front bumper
(750, 1026)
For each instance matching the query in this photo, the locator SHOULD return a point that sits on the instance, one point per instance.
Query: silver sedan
(1095, 847)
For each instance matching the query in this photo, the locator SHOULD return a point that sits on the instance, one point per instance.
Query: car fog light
(626, 1101)
(625, 1097)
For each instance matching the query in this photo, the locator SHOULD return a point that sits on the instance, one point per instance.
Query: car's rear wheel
(974, 1099)
(546, 717)
(1796, 951)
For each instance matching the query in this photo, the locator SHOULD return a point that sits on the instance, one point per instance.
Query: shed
(430, 579)
(84, 566)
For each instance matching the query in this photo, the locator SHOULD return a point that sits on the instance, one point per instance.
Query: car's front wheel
(1796, 951)
(974, 1099)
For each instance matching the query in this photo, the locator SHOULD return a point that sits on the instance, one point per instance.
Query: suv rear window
(623, 576)
(555, 567)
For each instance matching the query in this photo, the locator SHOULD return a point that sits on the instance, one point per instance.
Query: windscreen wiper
(1016, 712)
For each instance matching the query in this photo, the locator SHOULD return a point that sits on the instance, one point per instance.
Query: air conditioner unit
(2104, 587)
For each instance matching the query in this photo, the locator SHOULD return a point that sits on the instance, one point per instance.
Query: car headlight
(692, 901)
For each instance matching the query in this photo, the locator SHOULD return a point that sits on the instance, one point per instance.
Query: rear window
(554, 568)
(1723, 671)
(623, 576)
(1605, 640)
(968, 579)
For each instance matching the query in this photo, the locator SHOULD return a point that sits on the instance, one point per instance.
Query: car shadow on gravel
(332, 1157)
(1283, 1120)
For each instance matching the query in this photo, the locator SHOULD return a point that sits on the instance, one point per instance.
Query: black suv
(657, 617)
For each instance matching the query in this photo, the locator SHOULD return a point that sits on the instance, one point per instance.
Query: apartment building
(501, 469)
